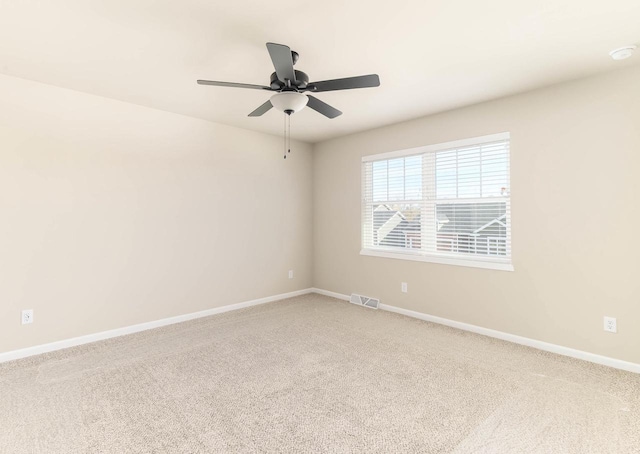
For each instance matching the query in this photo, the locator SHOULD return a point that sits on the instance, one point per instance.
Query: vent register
(365, 301)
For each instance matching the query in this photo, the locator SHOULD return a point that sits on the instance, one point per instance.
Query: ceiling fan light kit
(290, 86)
(289, 101)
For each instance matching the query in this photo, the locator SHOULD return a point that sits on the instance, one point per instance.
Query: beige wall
(114, 214)
(575, 181)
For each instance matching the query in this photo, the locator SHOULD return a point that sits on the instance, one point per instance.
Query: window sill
(500, 266)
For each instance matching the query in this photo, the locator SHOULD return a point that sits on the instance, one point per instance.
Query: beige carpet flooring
(311, 375)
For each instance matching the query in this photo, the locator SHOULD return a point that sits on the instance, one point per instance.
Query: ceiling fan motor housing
(301, 82)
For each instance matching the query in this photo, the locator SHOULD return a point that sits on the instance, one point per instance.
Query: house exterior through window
(448, 203)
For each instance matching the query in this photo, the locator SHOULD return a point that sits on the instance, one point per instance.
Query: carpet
(313, 374)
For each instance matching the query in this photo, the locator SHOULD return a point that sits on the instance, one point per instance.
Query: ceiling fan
(290, 85)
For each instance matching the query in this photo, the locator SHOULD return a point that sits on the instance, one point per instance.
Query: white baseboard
(89, 338)
(339, 296)
(540, 345)
(553, 348)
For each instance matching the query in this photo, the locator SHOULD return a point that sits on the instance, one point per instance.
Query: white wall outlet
(610, 324)
(290, 274)
(27, 316)
(404, 287)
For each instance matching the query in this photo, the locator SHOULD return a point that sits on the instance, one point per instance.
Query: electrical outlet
(610, 324)
(290, 274)
(27, 316)
(403, 287)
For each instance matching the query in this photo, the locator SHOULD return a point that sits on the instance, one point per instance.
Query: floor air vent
(364, 301)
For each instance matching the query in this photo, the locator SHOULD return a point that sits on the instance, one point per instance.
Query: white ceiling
(431, 55)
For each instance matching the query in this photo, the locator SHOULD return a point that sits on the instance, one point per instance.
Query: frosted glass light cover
(289, 101)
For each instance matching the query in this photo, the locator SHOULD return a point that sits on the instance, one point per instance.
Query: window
(447, 203)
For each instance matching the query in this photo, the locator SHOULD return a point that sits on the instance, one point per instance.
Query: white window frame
(489, 262)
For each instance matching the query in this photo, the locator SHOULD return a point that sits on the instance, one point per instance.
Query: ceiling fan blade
(282, 61)
(371, 80)
(262, 109)
(322, 107)
(232, 84)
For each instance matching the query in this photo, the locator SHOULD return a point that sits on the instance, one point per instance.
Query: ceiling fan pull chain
(284, 136)
(289, 133)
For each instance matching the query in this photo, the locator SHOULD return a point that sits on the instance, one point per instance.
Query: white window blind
(448, 203)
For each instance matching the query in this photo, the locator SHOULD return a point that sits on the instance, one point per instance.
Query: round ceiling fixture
(622, 53)
(289, 101)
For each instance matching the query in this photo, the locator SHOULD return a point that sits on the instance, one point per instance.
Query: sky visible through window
(473, 172)
(397, 179)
